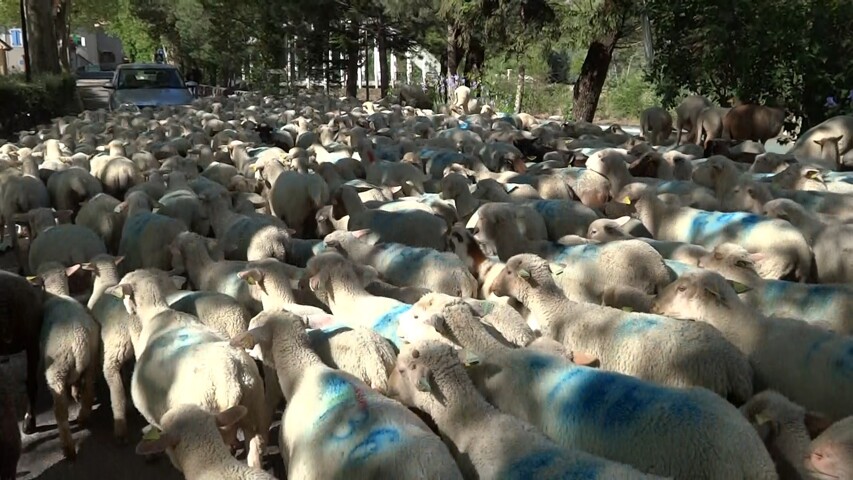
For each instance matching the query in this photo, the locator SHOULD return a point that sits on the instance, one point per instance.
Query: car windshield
(149, 78)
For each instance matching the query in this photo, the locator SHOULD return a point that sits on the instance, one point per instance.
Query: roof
(151, 66)
(4, 45)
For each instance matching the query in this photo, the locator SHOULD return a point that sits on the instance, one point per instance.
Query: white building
(95, 50)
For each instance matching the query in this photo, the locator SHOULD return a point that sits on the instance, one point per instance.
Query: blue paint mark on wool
(678, 268)
(840, 354)
(574, 253)
(337, 395)
(636, 325)
(376, 441)
(540, 465)
(386, 325)
(614, 402)
(812, 301)
(549, 209)
(712, 228)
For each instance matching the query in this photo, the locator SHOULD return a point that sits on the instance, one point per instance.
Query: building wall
(98, 49)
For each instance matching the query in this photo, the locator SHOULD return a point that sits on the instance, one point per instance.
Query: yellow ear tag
(152, 434)
(761, 419)
(627, 309)
(626, 200)
(739, 287)
(251, 280)
(32, 278)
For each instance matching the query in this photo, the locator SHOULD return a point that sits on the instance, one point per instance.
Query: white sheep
(487, 443)
(146, 236)
(69, 349)
(807, 364)
(334, 424)
(676, 432)
(407, 266)
(190, 436)
(830, 242)
(606, 230)
(179, 360)
(589, 268)
(831, 453)
(484, 268)
(63, 243)
(786, 428)
(787, 254)
(825, 305)
(687, 353)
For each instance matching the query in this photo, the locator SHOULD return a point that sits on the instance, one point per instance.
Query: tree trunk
(384, 71)
(44, 52)
(63, 32)
(590, 82)
(475, 57)
(519, 89)
(454, 50)
(351, 52)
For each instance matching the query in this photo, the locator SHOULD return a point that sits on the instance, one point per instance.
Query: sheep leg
(60, 412)
(29, 426)
(256, 444)
(88, 395)
(112, 374)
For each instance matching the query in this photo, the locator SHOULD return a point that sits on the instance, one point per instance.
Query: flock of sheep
(437, 294)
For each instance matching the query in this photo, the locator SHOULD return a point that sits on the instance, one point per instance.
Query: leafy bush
(26, 105)
(626, 97)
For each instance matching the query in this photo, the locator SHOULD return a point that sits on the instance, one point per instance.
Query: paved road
(94, 96)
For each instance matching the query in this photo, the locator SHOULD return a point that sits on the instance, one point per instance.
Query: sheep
(413, 228)
(830, 454)
(528, 220)
(98, 214)
(687, 115)
(787, 255)
(619, 339)
(658, 123)
(829, 306)
(190, 252)
(64, 243)
(276, 286)
(485, 269)
(829, 242)
(190, 436)
(235, 232)
(487, 443)
(20, 194)
(146, 236)
(295, 197)
(69, 348)
(565, 217)
(785, 428)
(334, 280)
(10, 436)
(676, 432)
(219, 311)
(589, 269)
(335, 425)
(21, 313)
(606, 230)
(119, 175)
(407, 266)
(119, 334)
(179, 360)
(183, 204)
(805, 363)
(69, 188)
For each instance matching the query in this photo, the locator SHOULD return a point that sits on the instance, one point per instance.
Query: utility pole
(26, 43)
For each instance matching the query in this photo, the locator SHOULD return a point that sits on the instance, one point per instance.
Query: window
(16, 38)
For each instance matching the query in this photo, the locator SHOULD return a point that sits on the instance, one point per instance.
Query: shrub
(26, 105)
(626, 97)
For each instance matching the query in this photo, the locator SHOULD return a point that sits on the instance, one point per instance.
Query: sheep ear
(739, 287)
(252, 277)
(524, 274)
(229, 417)
(63, 216)
(467, 357)
(585, 359)
(555, 270)
(160, 444)
(72, 270)
(178, 281)
(120, 207)
(360, 233)
(816, 423)
(88, 267)
(422, 382)
(35, 280)
(249, 339)
(622, 221)
(714, 293)
(121, 290)
(812, 174)
(118, 260)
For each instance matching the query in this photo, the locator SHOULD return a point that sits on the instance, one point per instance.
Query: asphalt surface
(92, 93)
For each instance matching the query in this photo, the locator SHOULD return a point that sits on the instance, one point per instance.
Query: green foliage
(782, 51)
(625, 97)
(26, 105)
(10, 13)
